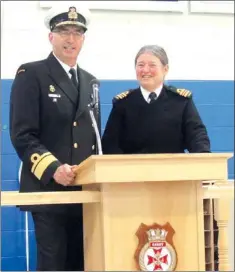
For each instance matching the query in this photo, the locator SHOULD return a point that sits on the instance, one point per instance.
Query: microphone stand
(91, 107)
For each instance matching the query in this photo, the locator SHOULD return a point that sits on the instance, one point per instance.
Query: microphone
(95, 84)
(94, 107)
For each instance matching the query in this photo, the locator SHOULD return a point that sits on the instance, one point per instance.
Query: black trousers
(59, 239)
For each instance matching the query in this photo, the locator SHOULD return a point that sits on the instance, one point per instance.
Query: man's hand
(64, 175)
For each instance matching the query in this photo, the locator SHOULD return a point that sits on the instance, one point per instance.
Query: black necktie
(152, 97)
(74, 78)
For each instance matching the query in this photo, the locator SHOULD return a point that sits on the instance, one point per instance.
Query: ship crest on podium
(155, 251)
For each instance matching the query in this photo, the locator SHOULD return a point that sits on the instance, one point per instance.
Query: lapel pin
(52, 88)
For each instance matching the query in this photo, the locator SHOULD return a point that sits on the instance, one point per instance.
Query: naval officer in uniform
(51, 131)
(155, 117)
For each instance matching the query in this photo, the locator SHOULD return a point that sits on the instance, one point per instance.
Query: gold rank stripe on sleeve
(41, 163)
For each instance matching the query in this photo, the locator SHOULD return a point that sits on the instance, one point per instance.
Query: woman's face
(150, 72)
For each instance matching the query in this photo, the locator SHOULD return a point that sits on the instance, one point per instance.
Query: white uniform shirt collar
(66, 67)
(146, 93)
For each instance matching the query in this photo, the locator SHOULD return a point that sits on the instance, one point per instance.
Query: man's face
(67, 42)
(150, 72)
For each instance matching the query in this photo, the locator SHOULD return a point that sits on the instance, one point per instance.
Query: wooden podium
(122, 193)
(146, 189)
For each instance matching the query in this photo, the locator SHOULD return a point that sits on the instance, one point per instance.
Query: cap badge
(72, 14)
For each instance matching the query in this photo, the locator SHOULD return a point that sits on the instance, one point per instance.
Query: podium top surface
(158, 156)
(152, 167)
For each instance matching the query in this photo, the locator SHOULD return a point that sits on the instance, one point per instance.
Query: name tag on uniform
(54, 95)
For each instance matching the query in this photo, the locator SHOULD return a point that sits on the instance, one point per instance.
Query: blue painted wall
(214, 100)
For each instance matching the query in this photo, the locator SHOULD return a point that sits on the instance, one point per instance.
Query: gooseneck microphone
(95, 84)
(94, 106)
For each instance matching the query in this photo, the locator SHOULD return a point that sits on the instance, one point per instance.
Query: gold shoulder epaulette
(121, 95)
(184, 92)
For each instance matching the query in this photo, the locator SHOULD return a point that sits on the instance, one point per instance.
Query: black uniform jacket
(50, 123)
(169, 125)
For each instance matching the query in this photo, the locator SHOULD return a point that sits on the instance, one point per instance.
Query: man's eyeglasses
(66, 33)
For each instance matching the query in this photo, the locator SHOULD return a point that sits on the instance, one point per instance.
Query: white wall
(198, 46)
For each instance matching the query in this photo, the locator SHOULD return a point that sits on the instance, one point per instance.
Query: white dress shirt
(146, 93)
(67, 67)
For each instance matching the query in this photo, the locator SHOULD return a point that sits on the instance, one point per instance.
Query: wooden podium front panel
(94, 256)
(110, 227)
